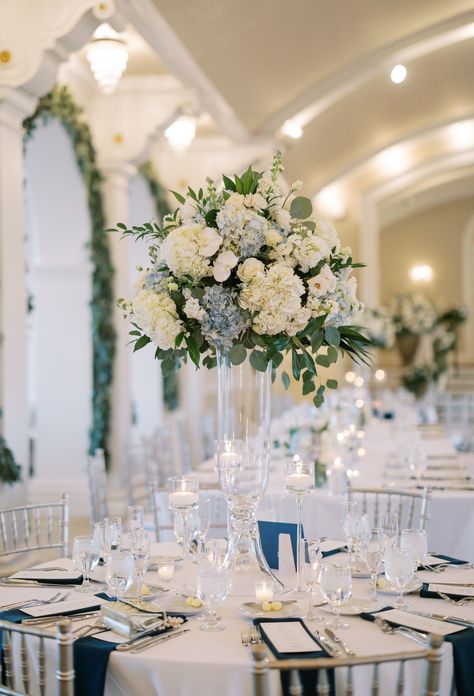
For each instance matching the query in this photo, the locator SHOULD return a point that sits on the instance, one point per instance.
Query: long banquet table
(217, 663)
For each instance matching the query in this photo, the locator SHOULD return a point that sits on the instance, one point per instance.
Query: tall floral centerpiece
(413, 316)
(377, 324)
(240, 275)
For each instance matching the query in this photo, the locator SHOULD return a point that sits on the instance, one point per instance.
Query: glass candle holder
(183, 498)
(299, 481)
(264, 590)
(165, 569)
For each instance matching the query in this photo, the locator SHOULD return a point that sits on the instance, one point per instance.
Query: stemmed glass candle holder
(299, 481)
(140, 548)
(183, 498)
(373, 559)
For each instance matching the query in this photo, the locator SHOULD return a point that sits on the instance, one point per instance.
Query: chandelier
(107, 55)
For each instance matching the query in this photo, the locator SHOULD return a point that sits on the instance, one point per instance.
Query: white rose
(223, 265)
(250, 269)
(255, 201)
(209, 241)
(323, 283)
(310, 252)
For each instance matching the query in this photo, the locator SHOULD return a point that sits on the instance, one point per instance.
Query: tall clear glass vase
(243, 452)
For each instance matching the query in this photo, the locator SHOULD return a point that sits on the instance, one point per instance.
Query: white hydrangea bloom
(251, 268)
(223, 265)
(309, 250)
(341, 306)
(186, 250)
(322, 283)
(156, 315)
(193, 309)
(188, 213)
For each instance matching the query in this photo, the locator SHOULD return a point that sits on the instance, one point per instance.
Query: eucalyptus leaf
(285, 378)
(301, 208)
(331, 383)
(237, 354)
(258, 360)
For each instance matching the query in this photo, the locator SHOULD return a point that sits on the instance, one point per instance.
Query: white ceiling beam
(150, 23)
(355, 74)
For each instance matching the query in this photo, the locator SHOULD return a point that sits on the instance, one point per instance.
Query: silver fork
(385, 627)
(456, 602)
(90, 629)
(245, 638)
(31, 602)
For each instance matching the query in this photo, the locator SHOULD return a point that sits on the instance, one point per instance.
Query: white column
(116, 192)
(15, 105)
(369, 252)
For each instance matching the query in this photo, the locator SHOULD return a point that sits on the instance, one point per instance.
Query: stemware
(212, 551)
(415, 542)
(299, 481)
(119, 572)
(183, 498)
(399, 571)
(135, 518)
(336, 588)
(373, 558)
(112, 533)
(311, 556)
(85, 553)
(356, 529)
(204, 518)
(99, 536)
(389, 526)
(140, 548)
(212, 588)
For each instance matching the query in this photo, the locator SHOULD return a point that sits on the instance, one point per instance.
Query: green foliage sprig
(59, 105)
(10, 471)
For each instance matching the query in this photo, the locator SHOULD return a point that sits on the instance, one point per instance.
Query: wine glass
(135, 518)
(212, 588)
(336, 588)
(373, 558)
(415, 542)
(85, 553)
(119, 572)
(112, 533)
(311, 557)
(299, 480)
(399, 571)
(389, 526)
(140, 548)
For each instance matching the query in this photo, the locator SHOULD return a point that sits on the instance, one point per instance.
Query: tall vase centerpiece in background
(239, 277)
(413, 316)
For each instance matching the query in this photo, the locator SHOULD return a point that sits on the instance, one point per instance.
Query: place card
(68, 607)
(461, 590)
(419, 623)
(289, 637)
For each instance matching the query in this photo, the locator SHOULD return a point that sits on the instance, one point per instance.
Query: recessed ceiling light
(181, 132)
(398, 74)
(332, 202)
(422, 273)
(394, 159)
(461, 134)
(292, 129)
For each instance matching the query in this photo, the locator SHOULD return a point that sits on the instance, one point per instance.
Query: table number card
(289, 637)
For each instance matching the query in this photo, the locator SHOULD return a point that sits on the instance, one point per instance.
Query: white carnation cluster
(412, 313)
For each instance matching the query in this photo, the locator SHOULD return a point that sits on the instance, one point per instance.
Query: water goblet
(312, 557)
(119, 572)
(336, 588)
(85, 553)
(212, 588)
(415, 542)
(399, 571)
(299, 480)
(373, 558)
(112, 533)
(389, 525)
(135, 518)
(140, 548)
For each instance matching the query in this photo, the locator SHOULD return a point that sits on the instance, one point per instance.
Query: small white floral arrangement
(252, 269)
(377, 324)
(412, 313)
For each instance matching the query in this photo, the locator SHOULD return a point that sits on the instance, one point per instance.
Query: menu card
(420, 623)
(289, 637)
(461, 590)
(76, 604)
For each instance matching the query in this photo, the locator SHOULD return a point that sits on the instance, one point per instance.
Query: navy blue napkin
(269, 536)
(55, 581)
(444, 559)
(309, 678)
(463, 650)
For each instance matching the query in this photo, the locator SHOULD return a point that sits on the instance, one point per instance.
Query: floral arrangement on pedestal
(251, 268)
(444, 339)
(377, 324)
(413, 316)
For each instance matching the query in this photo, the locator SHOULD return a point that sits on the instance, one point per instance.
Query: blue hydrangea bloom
(224, 320)
(154, 279)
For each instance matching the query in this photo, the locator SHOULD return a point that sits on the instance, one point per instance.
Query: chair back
(136, 474)
(24, 668)
(35, 527)
(432, 658)
(413, 507)
(97, 482)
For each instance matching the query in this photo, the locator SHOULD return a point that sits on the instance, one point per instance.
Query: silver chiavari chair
(262, 666)
(24, 673)
(413, 508)
(35, 527)
(136, 477)
(97, 482)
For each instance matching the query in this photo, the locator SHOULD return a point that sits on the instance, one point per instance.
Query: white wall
(60, 327)
(147, 383)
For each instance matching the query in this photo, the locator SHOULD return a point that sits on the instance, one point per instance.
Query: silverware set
(251, 636)
(44, 621)
(465, 601)
(385, 627)
(55, 599)
(441, 567)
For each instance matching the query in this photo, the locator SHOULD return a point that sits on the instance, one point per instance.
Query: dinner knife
(157, 639)
(144, 636)
(443, 617)
(327, 645)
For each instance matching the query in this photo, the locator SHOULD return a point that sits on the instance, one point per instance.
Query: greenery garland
(158, 193)
(59, 104)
